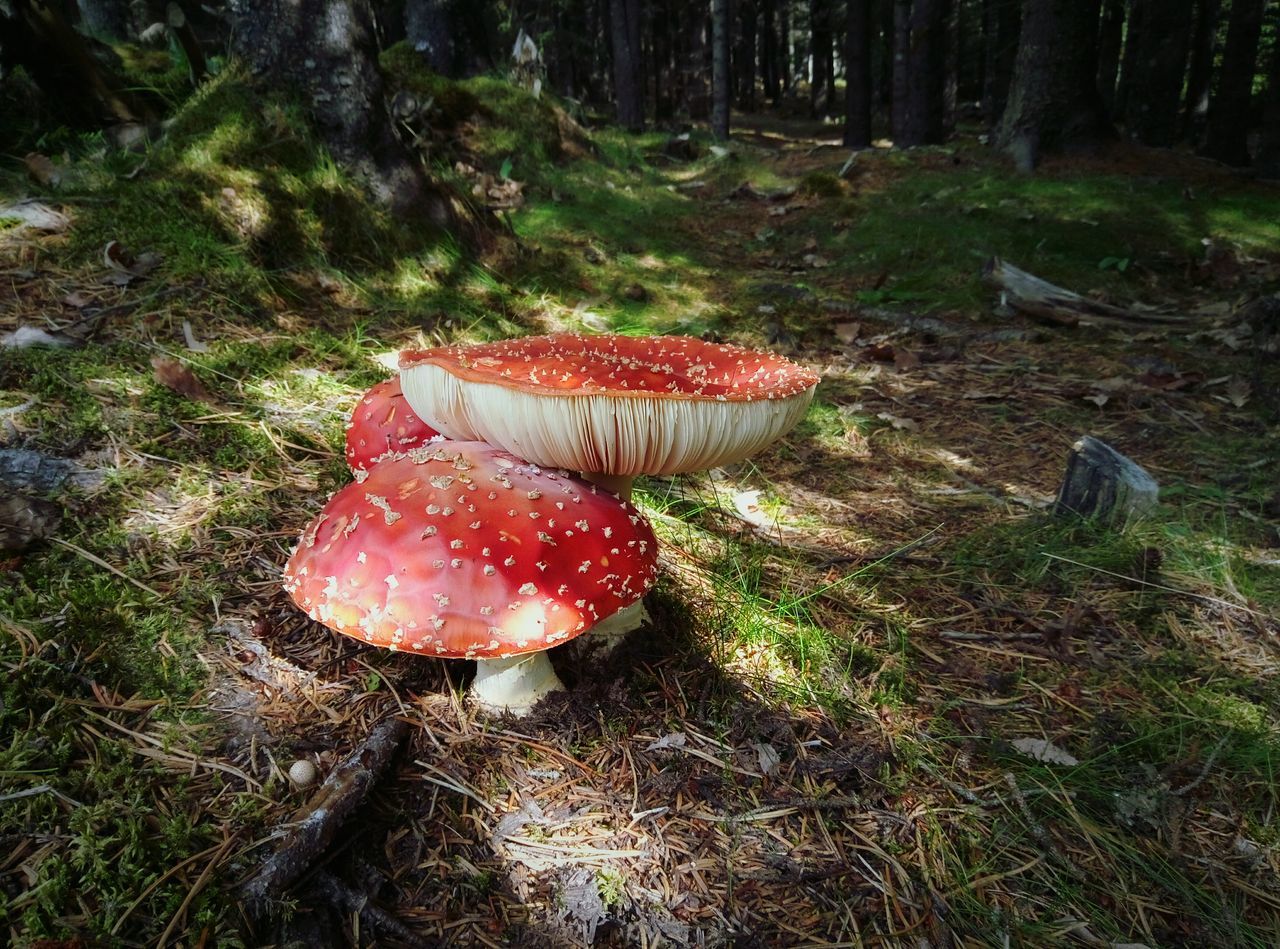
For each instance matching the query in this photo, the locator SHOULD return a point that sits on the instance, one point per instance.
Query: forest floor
(887, 697)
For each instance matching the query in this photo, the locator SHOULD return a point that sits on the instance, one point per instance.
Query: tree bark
(1204, 42)
(784, 45)
(1053, 100)
(720, 69)
(628, 91)
(105, 19)
(903, 120)
(921, 43)
(1159, 64)
(857, 90)
(1001, 22)
(1226, 137)
(769, 68)
(745, 60)
(1110, 42)
(1267, 161)
(820, 98)
(324, 50)
(697, 97)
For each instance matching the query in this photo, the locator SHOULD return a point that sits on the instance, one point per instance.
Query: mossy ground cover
(880, 602)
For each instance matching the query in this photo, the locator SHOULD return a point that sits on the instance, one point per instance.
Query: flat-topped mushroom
(611, 407)
(460, 551)
(382, 424)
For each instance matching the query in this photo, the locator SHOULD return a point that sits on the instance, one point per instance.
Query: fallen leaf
(25, 336)
(905, 359)
(175, 376)
(768, 757)
(42, 170)
(1042, 750)
(35, 215)
(77, 299)
(193, 344)
(1098, 398)
(116, 256)
(902, 424)
(668, 742)
(847, 333)
(1238, 391)
(24, 519)
(747, 504)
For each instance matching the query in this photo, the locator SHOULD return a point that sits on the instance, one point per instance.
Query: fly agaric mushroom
(460, 551)
(381, 424)
(611, 407)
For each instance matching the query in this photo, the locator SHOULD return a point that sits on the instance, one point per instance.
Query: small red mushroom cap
(617, 405)
(459, 550)
(381, 424)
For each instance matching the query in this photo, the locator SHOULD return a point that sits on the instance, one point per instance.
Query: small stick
(95, 559)
(350, 901)
(342, 791)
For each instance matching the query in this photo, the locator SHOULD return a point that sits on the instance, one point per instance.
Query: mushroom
(461, 551)
(611, 407)
(381, 424)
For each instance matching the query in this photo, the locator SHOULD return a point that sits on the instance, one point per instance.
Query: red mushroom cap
(459, 550)
(381, 424)
(620, 405)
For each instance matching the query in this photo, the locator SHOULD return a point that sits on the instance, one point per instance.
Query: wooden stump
(1102, 484)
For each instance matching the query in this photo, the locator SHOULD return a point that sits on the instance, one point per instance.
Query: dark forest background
(1041, 75)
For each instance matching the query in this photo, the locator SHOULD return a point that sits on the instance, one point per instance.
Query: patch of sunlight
(1233, 711)
(1027, 494)
(414, 277)
(306, 400)
(210, 152)
(240, 204)
(950, 459)
(176, 508)
(761, 662)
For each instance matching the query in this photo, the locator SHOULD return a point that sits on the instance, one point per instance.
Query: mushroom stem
(618, 484)
(514, 684)
(600, 641)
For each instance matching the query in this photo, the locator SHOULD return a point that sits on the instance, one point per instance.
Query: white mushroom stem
(618, 484)
(514, 684)
(602, 639)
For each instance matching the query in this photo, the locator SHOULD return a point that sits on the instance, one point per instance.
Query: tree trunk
(903, 120)
(857, 89)
(769, 67)
(1267, 161)
(1226, 137)
(1053, 100)
(1110, 42)
(105, 19)
(697, 100)
(821, 54)
(426, 28)
(720, 69)
(1001, 21)
(745, 65)
(923, 46)
(784, 45)
(1204, 41)
(662, 24)
(626, 64)
(1129, 60)
(1160, 62)
(325, 51)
